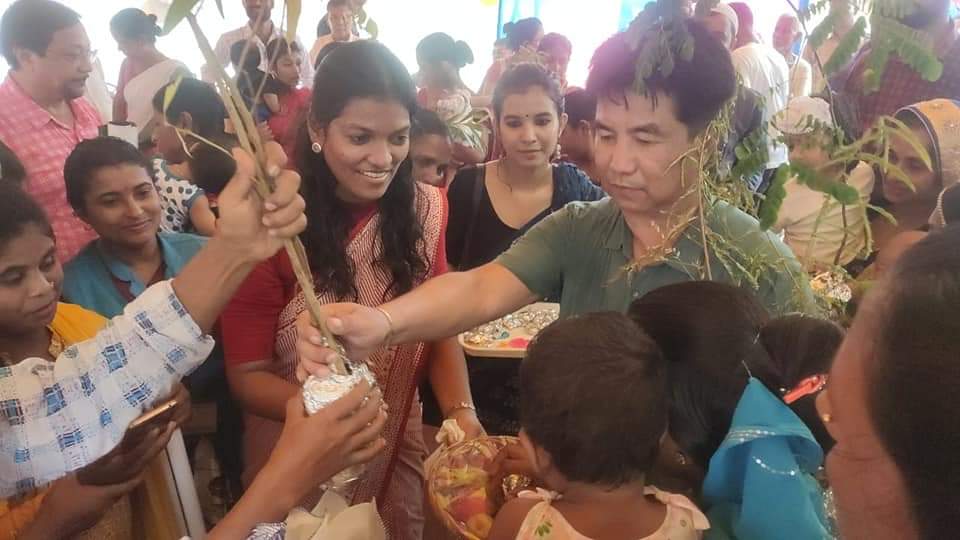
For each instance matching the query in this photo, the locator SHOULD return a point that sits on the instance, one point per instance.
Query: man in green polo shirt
(602, 255)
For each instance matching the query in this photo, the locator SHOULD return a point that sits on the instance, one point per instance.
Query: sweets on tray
(514, 331)
(832, 286)
(457, 485)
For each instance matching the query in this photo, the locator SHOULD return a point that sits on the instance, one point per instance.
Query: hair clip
(806, 387)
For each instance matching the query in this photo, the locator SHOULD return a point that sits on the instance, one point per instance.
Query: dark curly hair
(17, 211)
(90, 156)
(133, 23)
(338, 82)
(595, 386)
(709, 358)
(520, 78)
(200, 100)
(11, 168)
(700, 87)
(521, 32)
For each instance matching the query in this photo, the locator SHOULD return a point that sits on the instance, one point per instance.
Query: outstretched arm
(443, 306)
(57, 417)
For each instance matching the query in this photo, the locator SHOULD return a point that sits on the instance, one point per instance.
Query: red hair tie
(806, 387)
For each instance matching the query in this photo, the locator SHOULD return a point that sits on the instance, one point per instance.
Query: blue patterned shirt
(57, 417)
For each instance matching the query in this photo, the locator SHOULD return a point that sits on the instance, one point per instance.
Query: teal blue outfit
(94, 280)
(760, 483)
(93, 277)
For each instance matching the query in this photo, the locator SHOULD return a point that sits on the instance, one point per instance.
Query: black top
(476, 235)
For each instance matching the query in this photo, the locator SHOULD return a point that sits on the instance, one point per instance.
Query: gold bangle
(387, 316)
(462, 406)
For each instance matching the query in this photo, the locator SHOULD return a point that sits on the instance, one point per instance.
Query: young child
(820, 231)
(250, 78)
(431, 151)
(211, 169)
(593, 407)
(286, 101)
(196, 108)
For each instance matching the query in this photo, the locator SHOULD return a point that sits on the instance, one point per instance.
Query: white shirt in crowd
(763, 69)
(98, 94)
(222, 50)
(813, 223)
(801, 79)
(322, 42)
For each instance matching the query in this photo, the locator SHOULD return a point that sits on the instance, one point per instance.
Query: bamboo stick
(249, 137)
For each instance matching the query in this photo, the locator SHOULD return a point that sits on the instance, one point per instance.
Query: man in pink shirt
(43, 115)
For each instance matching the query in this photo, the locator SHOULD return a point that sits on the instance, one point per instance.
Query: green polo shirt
(581, 254)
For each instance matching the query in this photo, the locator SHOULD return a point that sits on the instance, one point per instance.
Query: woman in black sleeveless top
(492, 205)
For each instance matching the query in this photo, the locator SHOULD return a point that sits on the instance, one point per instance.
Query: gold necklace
(56, 345)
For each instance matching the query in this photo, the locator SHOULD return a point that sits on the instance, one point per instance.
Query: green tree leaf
(820, 34)
(883, 213)
(843, 193)
(773, 201)
(178, 10)
(898, 128)
(849, 46)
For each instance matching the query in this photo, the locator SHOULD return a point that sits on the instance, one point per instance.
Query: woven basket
(458, 471)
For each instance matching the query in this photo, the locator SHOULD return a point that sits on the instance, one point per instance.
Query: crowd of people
(694, 385)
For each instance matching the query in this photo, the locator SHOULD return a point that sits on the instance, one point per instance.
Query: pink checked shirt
(43, 144)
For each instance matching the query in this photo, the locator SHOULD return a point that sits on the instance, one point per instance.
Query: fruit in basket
(466, 507)
(480, 525)
(457, 484)
(462, 476)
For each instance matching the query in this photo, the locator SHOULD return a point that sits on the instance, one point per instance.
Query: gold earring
(316, 148)
(826, 418)
(681, 459)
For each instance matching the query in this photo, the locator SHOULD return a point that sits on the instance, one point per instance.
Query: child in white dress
(593, 407)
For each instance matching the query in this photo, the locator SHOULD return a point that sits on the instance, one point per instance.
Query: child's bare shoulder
(510, 518)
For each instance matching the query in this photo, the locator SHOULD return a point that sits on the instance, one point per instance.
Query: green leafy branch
(889, 37)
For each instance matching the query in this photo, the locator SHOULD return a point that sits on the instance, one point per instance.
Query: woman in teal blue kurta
(99, 281)
(109, 187)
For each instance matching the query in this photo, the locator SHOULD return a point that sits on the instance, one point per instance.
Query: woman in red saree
(373, 234)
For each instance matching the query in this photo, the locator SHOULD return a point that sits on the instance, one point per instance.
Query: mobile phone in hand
(157, 417)
(117, 466)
